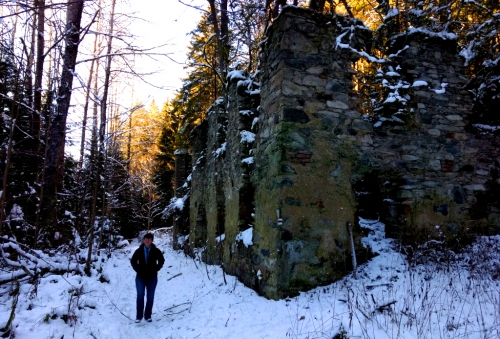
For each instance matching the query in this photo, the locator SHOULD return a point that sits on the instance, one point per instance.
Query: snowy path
(425, 303)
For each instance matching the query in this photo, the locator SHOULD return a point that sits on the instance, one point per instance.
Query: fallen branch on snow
(175, 276)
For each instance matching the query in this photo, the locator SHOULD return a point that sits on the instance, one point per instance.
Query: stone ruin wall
(319, 163)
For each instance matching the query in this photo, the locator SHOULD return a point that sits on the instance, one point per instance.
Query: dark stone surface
(256, 259)
(452, 150)
(282, 183)
(443, 209)
(467, 169)
(452, 227)
(459, 195)
(327, 121)
(292, 201)
(285, 168)
(305, 131)
(286, 235)
(295, 115)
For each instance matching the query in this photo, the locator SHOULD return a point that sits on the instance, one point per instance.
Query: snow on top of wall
(488, 128)
(442, 90)
(236, 74)
(247, 136)
(244, 83)
(419, 83)
(392, 12)
(220, 150)
(180, 151)
(340, 44)
(442, 35)
(255, 121)
(397, 53)
(248, 160)
(245, 237)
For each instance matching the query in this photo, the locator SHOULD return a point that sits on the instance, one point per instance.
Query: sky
(157, 23)
(388, 299)
(164, 21)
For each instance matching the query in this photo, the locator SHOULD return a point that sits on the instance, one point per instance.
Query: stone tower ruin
(293, 155)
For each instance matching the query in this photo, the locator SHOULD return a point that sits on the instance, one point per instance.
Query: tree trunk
(87, 100)
(54, 163)
(40, 57)
(13, 116)
(14, 28)
(221, 33)
(317, 5)
(347, 7)
(102, 134)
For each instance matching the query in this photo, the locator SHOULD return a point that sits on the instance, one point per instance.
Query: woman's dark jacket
(155, 262)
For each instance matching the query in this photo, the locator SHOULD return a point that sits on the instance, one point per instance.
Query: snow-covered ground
(388, 299)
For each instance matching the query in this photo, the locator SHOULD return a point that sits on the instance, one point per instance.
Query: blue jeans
(149, 285)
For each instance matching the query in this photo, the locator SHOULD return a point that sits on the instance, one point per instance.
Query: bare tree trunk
(347, 7)
(13, 115)
(30, 54)
(221, 32)
(224, 31)
(54, 162)
(40, 57)
(87, 100)
(96, 49)
(102, 132)
(50, 85)
(317, 5)
(95, 188)
(129, 141)
(14, 28)
(277, 5)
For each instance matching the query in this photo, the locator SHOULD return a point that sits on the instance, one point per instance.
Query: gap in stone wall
(247, 206)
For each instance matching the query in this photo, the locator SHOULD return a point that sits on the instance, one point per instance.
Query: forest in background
(73, 56)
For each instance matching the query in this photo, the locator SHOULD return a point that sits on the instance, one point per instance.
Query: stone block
(360, 125)
(315, 70)
(314, 106)
(353, 114)
(431, 184)
(313, 80)
(329, 113)
(448, 128)
(408, 157)
(459, 195)
(409, 147)
(366, 139)
(298, 43)
(447, 165)
(435, 165)
(434, 132)
(291, 89)
(277, 78)
(475, 187)
(337, 104)
(295, 115)
(423, 94)
(339, 96)
(334, 85)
